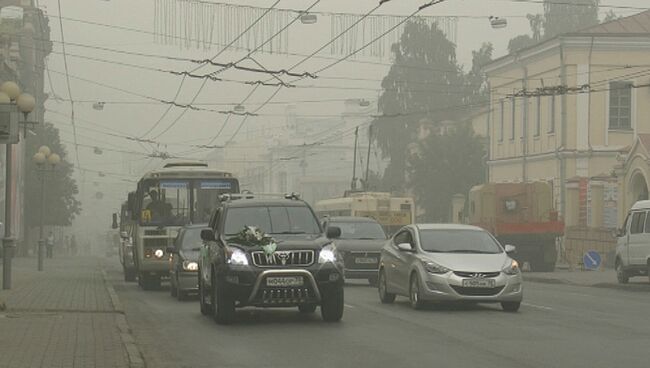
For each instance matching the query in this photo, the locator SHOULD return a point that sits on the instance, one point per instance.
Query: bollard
(41, 251)
(7, 256)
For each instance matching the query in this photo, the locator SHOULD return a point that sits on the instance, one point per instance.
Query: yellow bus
(391, 212)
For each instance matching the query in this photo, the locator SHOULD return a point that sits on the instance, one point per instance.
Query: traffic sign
(591, 260)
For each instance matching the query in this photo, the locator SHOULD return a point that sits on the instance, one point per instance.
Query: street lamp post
(11, 102)
(43, 157)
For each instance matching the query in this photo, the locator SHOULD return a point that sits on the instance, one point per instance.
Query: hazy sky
(198, 127)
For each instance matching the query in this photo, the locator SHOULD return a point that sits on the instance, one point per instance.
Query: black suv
(304, 269)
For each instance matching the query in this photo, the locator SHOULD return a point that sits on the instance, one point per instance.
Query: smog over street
(329, 183)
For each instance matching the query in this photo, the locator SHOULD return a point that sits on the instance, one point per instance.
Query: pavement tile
(61, 317)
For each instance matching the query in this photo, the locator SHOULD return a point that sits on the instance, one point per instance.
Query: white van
(633, 250)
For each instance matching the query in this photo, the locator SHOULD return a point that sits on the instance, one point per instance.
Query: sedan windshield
(192, 239)
(458, 241)
(272, 220)
(360, 230)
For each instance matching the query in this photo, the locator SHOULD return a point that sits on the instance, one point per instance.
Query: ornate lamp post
(44, 158)
(11, 103)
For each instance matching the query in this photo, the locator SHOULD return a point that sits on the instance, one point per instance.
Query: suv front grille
(286, 295)
(482, 275)
(470, 291)
(155, 232)
(156, 243)
(284, 258)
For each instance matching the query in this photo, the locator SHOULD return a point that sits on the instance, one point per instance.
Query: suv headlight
(512, 268)
(434, 268)
(237, 257)
(190, 266)
(327, 254)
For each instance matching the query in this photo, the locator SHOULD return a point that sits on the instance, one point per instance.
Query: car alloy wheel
(222, 303)
(414, 293)
(510, 306)
(621, 275)
(384, 295)
(206, 309)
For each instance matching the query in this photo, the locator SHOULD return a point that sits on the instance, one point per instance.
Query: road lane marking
(348, 305)
(537, 306)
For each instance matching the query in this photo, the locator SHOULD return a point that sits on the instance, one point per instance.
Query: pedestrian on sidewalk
(50, 244)
(73, 246)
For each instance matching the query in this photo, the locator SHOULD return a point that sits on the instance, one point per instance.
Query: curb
(549, 280)
(135, 357)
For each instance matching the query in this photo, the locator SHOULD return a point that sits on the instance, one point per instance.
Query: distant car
(449, 263)
(633, 249)
(183, 272)
(360, 245)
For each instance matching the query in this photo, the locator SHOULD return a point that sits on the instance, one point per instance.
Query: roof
(351, 219)
(634, 24)
(259, 202)
(447, 227)
(641, 205)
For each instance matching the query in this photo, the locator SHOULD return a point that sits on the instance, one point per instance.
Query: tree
(569, 16)
(610, 16)
(520, 42)
(61, 205)
(559, 17)
(445, 165)
(424, 81)
(477, 91)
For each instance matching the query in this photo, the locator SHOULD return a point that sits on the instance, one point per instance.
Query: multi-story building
(568, 110)
(24, 45)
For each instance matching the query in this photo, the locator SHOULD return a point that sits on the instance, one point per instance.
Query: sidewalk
(65, 316)
(605, 279)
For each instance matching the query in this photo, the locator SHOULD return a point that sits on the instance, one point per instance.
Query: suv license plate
(362, 260)
(479, 283)
(285, 281)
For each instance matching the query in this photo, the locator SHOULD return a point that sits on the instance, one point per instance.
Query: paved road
(558, 326)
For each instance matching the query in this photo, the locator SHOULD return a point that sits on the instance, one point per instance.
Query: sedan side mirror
(405, 247)
(333, 232)
(510, 249)
(207, 235)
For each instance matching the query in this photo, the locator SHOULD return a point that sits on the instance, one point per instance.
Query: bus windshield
(177, 202)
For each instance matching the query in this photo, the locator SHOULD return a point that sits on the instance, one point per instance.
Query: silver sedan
(429, 262)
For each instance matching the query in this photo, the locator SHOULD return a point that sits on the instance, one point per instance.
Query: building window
(514, 118)
(620, 105)
(551, 115)
(538, 117)
(502, 123)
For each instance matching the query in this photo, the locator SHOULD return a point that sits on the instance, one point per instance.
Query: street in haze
(556, 325)
(324, 183)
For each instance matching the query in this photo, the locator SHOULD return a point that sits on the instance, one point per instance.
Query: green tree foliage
(520, 42)
(424, 81)
(445, 165)
(61, 205)
(559, 17)
(477, 89)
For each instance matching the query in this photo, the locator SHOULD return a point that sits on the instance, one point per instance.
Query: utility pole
(354, 160)
(8, 241)
(365, 181)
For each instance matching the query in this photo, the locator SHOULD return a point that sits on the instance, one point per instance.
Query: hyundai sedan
(429, 262)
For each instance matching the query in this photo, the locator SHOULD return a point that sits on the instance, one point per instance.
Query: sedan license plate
(478, 283)
(285, 281)
(367, 260)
